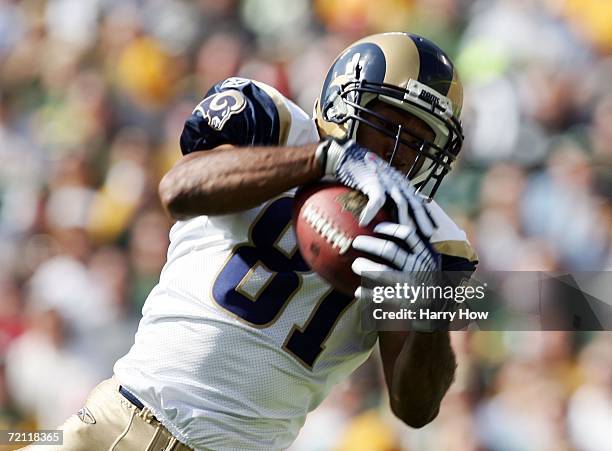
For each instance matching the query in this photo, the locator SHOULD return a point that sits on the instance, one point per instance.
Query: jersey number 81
(284, 278)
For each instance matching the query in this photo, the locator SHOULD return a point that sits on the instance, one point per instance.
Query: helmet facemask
(349, 101)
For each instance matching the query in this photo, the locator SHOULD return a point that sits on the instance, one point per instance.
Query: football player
(240, 339)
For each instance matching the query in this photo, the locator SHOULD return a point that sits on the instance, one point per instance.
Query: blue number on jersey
(307, 343)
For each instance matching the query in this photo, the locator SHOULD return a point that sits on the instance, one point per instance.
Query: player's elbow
(174, 199)
(415, 417)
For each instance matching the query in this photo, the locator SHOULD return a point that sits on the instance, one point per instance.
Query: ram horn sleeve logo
(219, 107)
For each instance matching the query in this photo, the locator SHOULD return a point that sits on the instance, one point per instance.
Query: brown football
(326, 219)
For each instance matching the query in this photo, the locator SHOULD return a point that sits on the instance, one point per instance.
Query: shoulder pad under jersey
(451, 241)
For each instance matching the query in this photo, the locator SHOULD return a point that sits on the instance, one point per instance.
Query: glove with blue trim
(408, 258)
(415, 254)
(359, 168)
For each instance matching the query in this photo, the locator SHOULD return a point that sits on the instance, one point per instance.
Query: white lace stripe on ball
(326, 228)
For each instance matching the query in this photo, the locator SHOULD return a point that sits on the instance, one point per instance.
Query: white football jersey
(239, 340)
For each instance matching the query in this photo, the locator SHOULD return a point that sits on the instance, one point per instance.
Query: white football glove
(414, 261)
(359, 168)
(417, 256)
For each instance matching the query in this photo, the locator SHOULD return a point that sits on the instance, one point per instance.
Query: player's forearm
(228, 180)
(420, 375)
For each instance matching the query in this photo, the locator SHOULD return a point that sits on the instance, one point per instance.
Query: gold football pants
(109, 422)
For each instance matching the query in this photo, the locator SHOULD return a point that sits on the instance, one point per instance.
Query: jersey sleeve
(451, 243)
(240, 112)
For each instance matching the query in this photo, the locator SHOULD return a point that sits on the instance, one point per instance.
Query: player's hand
(414, 255)
(361, 169)
(413, 260)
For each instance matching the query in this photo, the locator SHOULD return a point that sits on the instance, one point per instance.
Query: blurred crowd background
(93, 95)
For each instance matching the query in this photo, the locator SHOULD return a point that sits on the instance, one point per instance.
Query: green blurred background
(93, 95)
